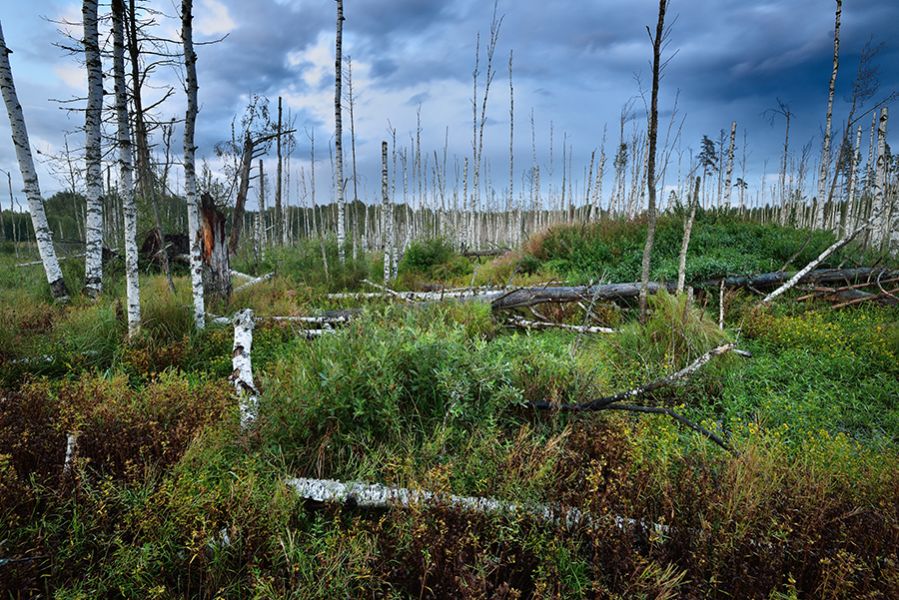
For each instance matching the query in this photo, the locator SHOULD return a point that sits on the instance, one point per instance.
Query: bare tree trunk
(825, 151)
(217, 270)
(243, 188)
(685, 244)
(386, 216)
(190, 177)
(851, 213)
(879, 202)
(729, 174)
(280, 226)
(338, 138)
(126, 170)
(657, 42)
(93, 262)
(242, 376)
(20, 140)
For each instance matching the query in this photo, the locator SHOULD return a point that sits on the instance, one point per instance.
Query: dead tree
(657, 41)
(825, 150)
(126, 169)
(93, 261)
(190, 177)
(688, 229)
(338, 137)
(42, 232)
(215, 256)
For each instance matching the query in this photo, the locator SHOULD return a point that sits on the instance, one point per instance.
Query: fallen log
(362, 495)
(253, 282)
(521, 323)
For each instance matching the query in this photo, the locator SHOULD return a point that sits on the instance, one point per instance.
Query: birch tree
(126, 170)
(22, 144)
(657, 42)
(338, 137)
(386, 216)
(879, 202)
(190, 175)
(729, 174)
(93, 262)
(828, 123)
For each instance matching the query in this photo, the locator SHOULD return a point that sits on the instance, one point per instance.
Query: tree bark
(825, 151)
(242, 375)
(685, 244)
(386, 215)
(280, 225)
(216, 260)
(126, 170)
(729, 173)
(338, 137)
(42, 232)
(93, 261)
(879, 210)
(657, 42)
(190, 177)
(243, 188)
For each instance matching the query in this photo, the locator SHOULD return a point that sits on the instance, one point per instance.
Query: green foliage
(719, 245)
(433, 258)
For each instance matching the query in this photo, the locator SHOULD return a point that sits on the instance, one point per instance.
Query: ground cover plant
(168, 497)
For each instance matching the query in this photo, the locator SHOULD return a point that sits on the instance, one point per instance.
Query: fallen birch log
(435, 296)
(376, 496)
(520, 323)
(40, 262)
(242, 375)
(252, 282)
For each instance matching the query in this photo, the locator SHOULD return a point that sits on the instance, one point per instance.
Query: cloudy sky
(575, 64)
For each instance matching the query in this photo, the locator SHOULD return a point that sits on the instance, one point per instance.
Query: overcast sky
(575, 64)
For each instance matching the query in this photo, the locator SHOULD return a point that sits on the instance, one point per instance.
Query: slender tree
(280, 227)
(657, 43)
(824, 167)
(22, 144)
(688, 229)
(126, 170)
(879, 203)
(386, 215)
(190, 176)
(728, 177)
(338, 137)
(93, 269)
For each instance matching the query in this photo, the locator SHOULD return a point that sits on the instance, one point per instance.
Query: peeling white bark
(526, 324)
(32, 188)
(338, 138)
(365, 495)
(242, 375)
(126, 170)
(71, 450)
(825, 151)
(728, 178)
(93, 262)
(386, 215)
(190, 176)
(253, 282)
(879, 202)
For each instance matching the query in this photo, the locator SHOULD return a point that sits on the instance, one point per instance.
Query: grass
(434, 398)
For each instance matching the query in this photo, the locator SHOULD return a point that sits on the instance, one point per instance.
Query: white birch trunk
(20, 140)
(190, 176)
(879, 201)
(93, 262)
(242, 375)
(386, 215)
(685, 244)
(729, 175)
(853, 183)
(825, 151)
(338, 137)
(126, 171)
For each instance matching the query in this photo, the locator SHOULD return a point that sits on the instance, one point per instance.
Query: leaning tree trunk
(93, 262)
(338, 138)
(190, 174)
(685, 244)
(26, 165)
(651, 157)
(132, 287)
(825, 151)
(850, 219)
